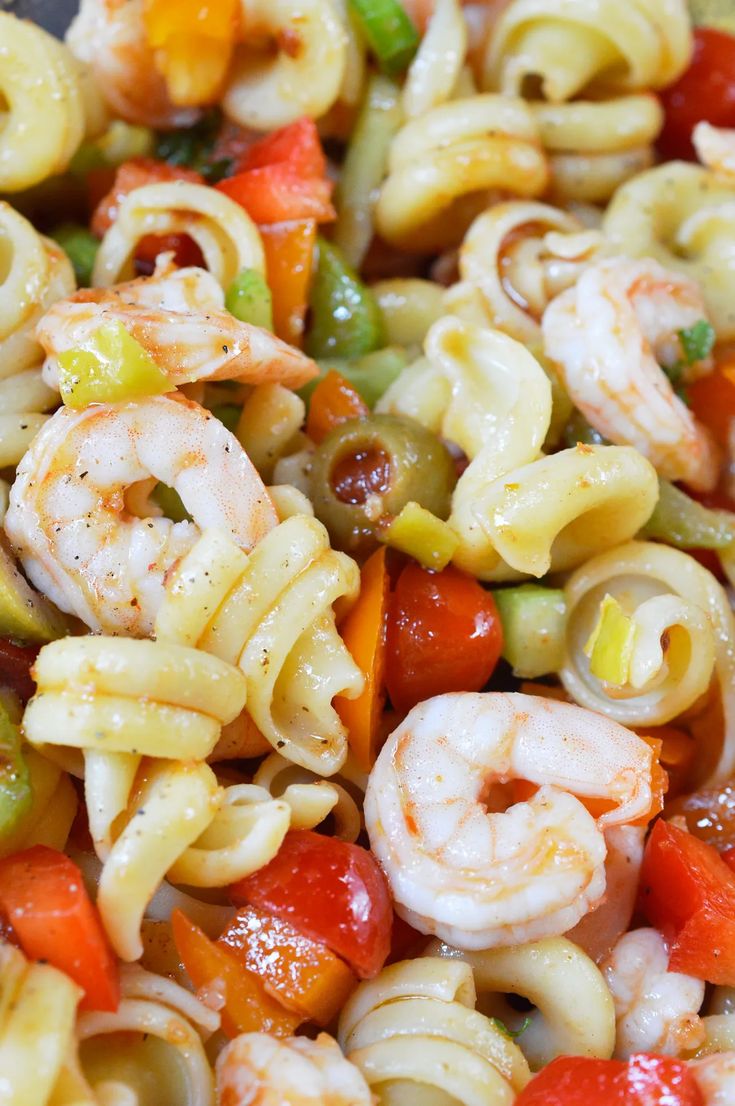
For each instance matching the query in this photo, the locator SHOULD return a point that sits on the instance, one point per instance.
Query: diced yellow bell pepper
(610, 645)
(422, 535)
(111, 369)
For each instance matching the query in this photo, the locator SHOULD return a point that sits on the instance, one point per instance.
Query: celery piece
(371, 375)
(365, 166)
(170, 502)
(25, 614)
(16, 794)
(422, 535)
(249, 299)
(534, 619)
(80, 246)
(610, 645)
(111, 369)
(389, 31)
(681, 521)
(345, 318)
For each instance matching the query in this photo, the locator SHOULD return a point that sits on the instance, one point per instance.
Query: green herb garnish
(512, 1033)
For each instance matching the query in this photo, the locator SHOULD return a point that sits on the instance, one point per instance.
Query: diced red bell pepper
(688, 892)
(282, 177)
(42, 895)
(643, 1081)
(330, 890)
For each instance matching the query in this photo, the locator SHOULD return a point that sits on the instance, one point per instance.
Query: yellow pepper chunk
(111, 369)
(193, 44)
(610, 645)
(422, 535)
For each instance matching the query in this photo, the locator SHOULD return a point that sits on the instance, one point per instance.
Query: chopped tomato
(248, 1008)
(289, 260)
(283, 177)
(42, 895)
(643, 1081)
(705, 91)
(729, 857)
(363, 631)
(444, 634)
(301, 973)
(276, 193)
(333, 401)
(16, 662)
(405, 940)
(709, 813)
(688, 892)
(332, 891)
(712, 398)
(134, 174)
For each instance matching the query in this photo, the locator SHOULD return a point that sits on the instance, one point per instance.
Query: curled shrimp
(656, 1010)
(110, 37)
(178, 316)
(606, 337)
(67, 516)
(261, 1071)
(715, 1077)
(463, 867)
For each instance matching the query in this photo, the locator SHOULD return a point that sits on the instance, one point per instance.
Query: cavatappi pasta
(367, 648)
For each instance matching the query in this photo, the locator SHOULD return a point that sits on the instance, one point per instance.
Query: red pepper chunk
(43, 896)
(688, 892)
(331, 891)
(644, 1081)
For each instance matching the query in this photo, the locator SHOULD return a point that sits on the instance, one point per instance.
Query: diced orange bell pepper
(333, 401)
(248, 1007)
(363, 631)
(712, 397)
(289, 260)
(304, 975)
(678, 750)
(193, 44)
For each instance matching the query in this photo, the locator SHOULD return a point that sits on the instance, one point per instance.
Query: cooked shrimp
(600, 929)
(110, 37)
(715, 1076)
(67, 517)
(715, 148)
(606, 337)
(479, 876)
(259, 1070)
(178, 317)
(655, 1010)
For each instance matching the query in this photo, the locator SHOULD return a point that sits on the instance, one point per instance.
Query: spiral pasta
(519, 255)
(515, 510)
(270, 612)
(443, 163)
(304, 75)
(683, 216)
(685, 634)
(545, 972)
(434, 72)
(414, 1029)
(310, 798)
(49, 105)
(36, 273)
(225, 234)
(166, 1025)
(582, 48)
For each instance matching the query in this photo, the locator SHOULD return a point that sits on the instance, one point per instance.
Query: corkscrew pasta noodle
(223, 231)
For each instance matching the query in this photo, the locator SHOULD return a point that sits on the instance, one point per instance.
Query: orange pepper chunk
(333, 401)
(363, 631)
(289, 260)
(712, 397)
(303, 974)
(193, 44)
(248, 1008)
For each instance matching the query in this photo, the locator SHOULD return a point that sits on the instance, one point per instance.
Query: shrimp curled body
(67, 516)
(606, 337)
(178, 317)
(480, 879)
